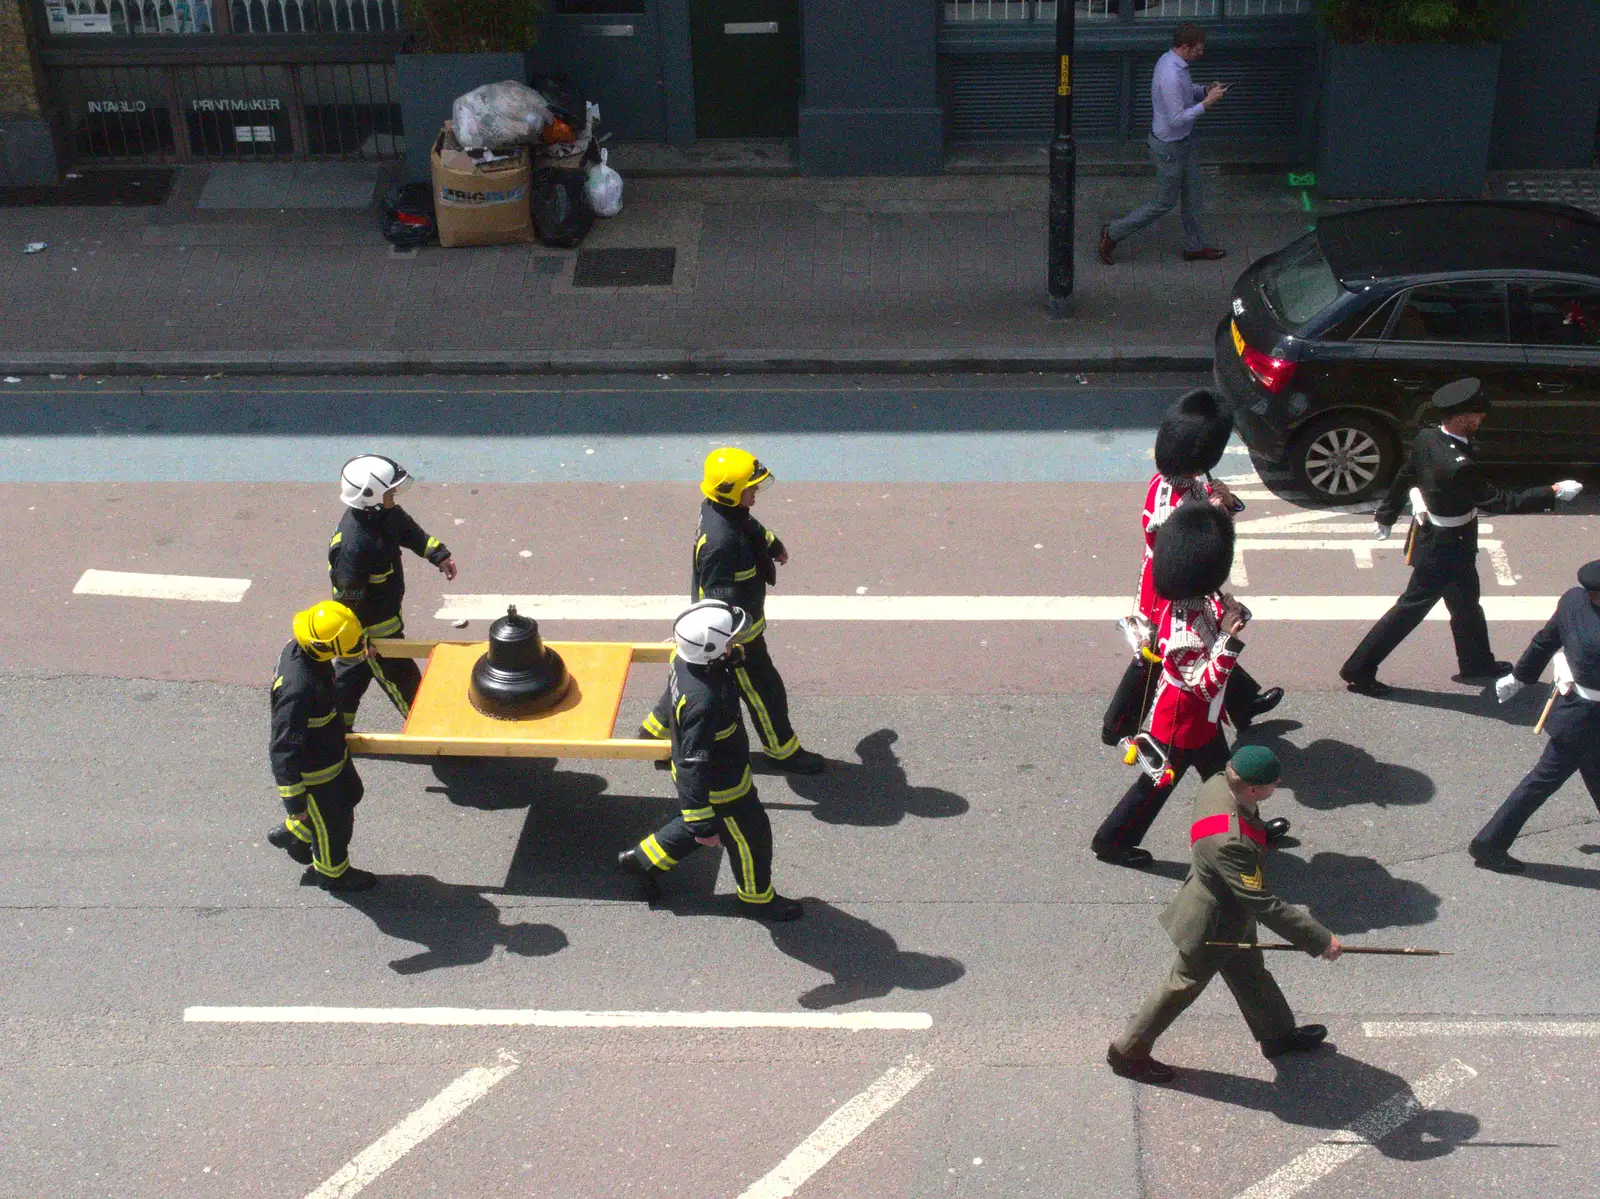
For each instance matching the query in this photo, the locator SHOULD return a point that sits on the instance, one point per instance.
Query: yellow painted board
(380, 744)
(599, 669)
(406, 647)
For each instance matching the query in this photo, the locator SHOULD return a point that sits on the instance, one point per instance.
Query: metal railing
(166, 18)
(1119, 10)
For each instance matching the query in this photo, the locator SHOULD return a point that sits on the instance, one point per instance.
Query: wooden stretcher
(443, 722)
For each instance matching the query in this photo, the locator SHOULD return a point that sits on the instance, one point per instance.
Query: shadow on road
(1352, 893)
(1328, 774)
(876, 793)
(1329, 1090)
(865, 961)
(456, 924)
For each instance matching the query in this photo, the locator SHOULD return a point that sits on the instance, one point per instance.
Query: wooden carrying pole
(1392, 950)
(1545, 715)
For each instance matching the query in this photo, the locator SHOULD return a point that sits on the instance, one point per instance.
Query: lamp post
(1063, 165)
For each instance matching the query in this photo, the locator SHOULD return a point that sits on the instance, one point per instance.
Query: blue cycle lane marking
(1008, 431)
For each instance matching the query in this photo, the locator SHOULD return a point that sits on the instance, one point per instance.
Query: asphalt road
(942, 857)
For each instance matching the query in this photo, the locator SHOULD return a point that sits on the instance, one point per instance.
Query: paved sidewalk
(944, 272)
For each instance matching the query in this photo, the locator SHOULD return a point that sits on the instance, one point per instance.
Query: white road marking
(353, 1177)
(171, 587)
(534, 1018)
(1361, 1133)
(1361, 550)
(661, 609)
(838, 1130)
(1481, 1028)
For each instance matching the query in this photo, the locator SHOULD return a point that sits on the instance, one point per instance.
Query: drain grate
(1581, 189)
(650, 267)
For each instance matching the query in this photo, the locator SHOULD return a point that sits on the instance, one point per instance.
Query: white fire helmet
(705, 631)
(366, 478)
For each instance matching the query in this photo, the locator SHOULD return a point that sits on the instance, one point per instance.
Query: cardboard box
(480, 204)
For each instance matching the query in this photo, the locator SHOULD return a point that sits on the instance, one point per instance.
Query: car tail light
(1272, 373)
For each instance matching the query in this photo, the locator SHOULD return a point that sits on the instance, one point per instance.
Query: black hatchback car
(1334, 344)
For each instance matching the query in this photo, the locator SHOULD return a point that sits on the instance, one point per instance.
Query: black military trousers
(1137, 688)
(746, 834)
(1561, 759)
(1445, 567)
(764, 694)
(325, 818)
(399, 678)
(1131, 819)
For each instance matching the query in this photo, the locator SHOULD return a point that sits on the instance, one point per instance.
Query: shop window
(152, 18)
(130, 18)
(314, 16)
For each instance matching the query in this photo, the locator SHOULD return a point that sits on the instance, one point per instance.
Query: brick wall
(19, 75)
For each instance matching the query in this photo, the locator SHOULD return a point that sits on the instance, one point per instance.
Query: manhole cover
(625, 268)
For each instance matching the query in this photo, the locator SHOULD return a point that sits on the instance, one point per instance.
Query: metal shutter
(1268, 85)
(1011, 97)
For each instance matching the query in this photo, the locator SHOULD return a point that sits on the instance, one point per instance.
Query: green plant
(1388, 21)
(472, 26)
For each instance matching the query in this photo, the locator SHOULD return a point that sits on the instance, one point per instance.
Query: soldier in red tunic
(1189, 445)
(1198, 640)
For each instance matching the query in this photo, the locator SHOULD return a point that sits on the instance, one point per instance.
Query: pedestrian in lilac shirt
(1177, 102)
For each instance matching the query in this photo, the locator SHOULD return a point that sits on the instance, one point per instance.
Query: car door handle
(1409, 384)
(1553, 388)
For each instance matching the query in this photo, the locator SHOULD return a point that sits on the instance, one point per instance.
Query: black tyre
(1344, 457)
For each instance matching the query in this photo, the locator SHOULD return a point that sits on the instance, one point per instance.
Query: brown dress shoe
(1140, 1069)
(1107, 246)
(1209, 254)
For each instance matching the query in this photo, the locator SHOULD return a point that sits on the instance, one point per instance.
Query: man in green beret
(1223, 898)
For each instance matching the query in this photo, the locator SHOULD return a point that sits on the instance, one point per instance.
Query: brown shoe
(1209, 254)
(1107, 246)
(1140, 1069)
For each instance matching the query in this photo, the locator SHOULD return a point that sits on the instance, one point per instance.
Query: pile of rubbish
(515, 163)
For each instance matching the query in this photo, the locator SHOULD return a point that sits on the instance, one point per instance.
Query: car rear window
(1300, 284)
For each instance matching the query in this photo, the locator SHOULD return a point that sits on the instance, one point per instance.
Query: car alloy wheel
(1342, 462)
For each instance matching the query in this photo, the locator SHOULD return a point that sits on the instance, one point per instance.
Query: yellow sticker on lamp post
(1064, 86)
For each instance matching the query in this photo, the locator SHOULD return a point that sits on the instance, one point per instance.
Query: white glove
(1380, 532)
(1505, 688)
(1568, 490)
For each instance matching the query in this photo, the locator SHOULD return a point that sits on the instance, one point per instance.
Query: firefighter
(711, 765)
(736, 559)
(316, 780)
(368, 575)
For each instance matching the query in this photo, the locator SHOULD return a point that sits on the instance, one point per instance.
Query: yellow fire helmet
(329, 630)
(730, 473)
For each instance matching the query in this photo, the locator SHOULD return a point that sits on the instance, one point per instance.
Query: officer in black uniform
(711, 766)
(368, 575)
(1443, 473)
(316, 781)
(1573, 724)
(736, 559)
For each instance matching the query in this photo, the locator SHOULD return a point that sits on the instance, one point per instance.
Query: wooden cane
(1545, 715)
(1390, 950)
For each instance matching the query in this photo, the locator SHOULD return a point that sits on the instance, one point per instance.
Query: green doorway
(746, 67)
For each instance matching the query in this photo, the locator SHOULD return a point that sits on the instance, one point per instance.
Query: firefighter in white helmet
(711, 766)
(368, 575)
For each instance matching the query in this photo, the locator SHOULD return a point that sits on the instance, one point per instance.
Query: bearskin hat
(1194, 552)
(1193, 434)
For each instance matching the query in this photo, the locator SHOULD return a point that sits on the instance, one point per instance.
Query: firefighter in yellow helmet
(316, 781)
(736, 559)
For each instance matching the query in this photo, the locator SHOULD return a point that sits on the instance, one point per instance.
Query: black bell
(520, 675)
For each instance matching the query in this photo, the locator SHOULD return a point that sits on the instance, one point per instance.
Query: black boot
(1302, 1040)
(1260, 706)
(1140, 1069)
(632, 861)
(1134, 856)
(351, 881)
(1487, 857)
(802, 761)
(290, 844)
(777, 910)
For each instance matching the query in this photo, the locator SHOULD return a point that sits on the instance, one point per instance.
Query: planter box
(1405, 121)
(429, 85)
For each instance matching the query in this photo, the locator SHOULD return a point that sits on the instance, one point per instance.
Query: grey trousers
(1177, 183)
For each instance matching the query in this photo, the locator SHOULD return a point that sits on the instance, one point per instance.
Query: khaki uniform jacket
(1226, 893)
